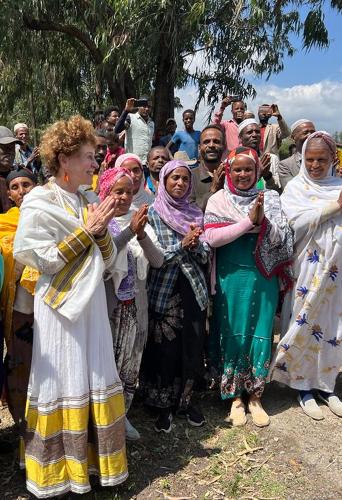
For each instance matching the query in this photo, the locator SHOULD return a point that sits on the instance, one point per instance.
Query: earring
(66, 177)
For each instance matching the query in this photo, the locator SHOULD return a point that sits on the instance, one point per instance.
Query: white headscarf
(142, 197)
(305, 200)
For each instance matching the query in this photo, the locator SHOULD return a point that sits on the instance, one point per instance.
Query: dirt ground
(294, 458)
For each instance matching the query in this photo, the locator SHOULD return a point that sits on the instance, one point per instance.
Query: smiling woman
(127, 300)
(253, 247)
(75, 409)
(312, 202)
(16, 299)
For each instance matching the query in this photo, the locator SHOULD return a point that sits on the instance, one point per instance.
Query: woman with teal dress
(253, 245)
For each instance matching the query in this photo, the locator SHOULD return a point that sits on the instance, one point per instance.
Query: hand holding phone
(141, 103)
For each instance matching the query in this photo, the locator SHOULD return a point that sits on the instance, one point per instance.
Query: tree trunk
(33, 116)
(164, 93)
(119, 90)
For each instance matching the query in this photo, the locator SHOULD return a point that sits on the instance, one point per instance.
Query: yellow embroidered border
(105, 244)
(75, 419)
(74, 244)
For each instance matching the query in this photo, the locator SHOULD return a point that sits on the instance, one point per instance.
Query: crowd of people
(136, 261)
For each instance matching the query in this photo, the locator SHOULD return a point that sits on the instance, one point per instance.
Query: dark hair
(110, 110)
(244, 104)
(112, 137)
(101, 132)
(98, 118)
(216, 127)
(160, 146)
(188, 111)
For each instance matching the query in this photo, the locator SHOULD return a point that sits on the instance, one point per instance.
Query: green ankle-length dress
(243, 312)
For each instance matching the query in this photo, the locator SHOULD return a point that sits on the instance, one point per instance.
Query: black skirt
(173, 358)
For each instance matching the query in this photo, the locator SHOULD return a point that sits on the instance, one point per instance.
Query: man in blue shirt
(188, 139)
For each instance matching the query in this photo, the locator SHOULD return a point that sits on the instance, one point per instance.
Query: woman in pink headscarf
(138, 248)
(178, 299)
(133, 163)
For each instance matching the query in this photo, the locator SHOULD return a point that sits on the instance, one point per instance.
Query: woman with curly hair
(75, 420)
(253, 245)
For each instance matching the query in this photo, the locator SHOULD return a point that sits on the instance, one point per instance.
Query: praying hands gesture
(256, 212)
(138, 222)
(99, 215)
(218, 178)
(191, 239)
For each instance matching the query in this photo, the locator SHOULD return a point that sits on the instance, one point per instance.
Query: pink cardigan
(220, 236)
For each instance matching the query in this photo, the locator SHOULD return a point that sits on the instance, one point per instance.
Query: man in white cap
(289, 168)
(25, 155)
(249, 133)
(7, 154)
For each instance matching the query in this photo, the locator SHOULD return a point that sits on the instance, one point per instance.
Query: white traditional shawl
(306, 201)
(141, 261)
(44, 223)
(142, 197)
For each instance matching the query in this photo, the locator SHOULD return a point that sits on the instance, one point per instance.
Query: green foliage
(338, 137)
(59, 57)
(284, 148)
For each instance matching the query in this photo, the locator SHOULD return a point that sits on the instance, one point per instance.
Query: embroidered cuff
(74, 244)
(105, 244)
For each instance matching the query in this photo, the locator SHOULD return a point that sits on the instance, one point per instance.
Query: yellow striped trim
(74, 244)
(46, 476)
(75, 419)
(105, 244)
(63, 281)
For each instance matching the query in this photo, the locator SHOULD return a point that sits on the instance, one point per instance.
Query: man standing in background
(26, 155)
(230, 127)
(271, 135)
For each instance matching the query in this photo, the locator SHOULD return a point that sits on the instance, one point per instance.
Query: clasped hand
(138, 222)
(191, 239)
(256, 212)
(99, 215)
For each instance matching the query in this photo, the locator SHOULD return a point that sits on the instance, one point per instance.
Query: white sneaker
(131, 433)
(334, 403)
(310, 407)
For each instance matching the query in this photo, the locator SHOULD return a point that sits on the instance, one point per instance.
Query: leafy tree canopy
(63, 56)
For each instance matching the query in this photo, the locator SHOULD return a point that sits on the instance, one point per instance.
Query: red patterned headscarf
(110, 177)
(242, 152)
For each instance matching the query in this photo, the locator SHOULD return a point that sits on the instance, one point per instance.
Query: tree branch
(73, 31)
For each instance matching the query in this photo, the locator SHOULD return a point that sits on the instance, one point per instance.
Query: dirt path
(294, 458)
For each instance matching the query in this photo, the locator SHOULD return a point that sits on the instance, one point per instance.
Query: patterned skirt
(128, 342)
(75, 410)
(173, 359)
(242, 322)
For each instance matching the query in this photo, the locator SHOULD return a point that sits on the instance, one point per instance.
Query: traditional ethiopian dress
(178, 297)
(310, 354)
(75, 409)
(249, 260)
